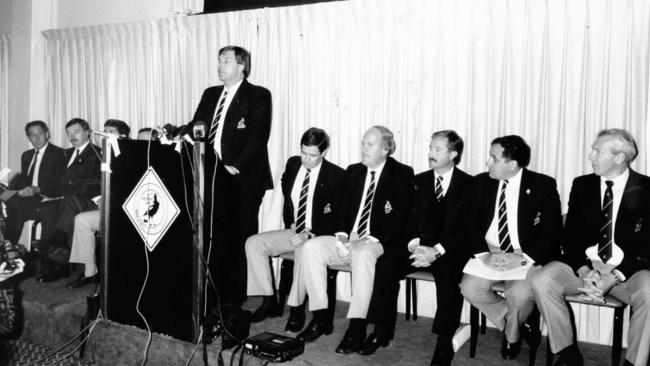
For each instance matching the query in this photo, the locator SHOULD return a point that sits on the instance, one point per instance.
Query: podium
(169, 267)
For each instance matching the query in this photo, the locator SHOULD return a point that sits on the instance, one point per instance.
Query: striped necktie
(605, 242)
(32, 167)
(217, 117)
(367, 205)
(504, 235)
(302, 204)
(438, 189)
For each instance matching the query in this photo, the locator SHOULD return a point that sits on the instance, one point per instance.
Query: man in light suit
(237, 168)
(375, 204)
(438, 243)
(310, 185)
(517, 222)
(78, 186)
(41, 170)
(606, 249)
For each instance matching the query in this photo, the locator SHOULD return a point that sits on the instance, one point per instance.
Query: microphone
(103, 134)
(198, 130)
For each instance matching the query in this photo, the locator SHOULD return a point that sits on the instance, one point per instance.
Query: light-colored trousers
(557, 279)
(259, 248)
(320, 252)
(86, 224)
(507, 312)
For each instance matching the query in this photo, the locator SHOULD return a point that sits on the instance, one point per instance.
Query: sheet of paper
(477, 267)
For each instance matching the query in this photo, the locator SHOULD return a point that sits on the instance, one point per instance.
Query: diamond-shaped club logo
(151, 208)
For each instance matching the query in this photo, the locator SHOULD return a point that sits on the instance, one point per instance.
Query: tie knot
(439, 179)
(372, 174)
(505, 182)
(308, 170)
(609, 183)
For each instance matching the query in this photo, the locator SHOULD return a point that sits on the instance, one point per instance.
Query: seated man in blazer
(310, 186)
(517, 222)
(374, 209)
(86, 224)
(606, 249)
(79, 184)
(438, 242)
(41, 169)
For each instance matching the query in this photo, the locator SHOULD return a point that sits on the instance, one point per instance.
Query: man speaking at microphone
(237, 170)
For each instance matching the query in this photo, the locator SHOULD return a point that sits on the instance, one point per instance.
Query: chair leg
(483, 323)
(414, 299)
(331, 293)
(474, 325)
(275, 292)
(617, 342)
(533, 321)
(407, 314)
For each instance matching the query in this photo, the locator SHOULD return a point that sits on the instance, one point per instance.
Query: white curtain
(552, 71)
(4, 99)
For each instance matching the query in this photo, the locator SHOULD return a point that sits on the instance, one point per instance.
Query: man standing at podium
(237, 170)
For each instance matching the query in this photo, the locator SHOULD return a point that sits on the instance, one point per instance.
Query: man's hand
(299, 239)
(504, 261)
(231, 169)
(28, 191)
(423, 256)
(596, 285)
(20, 265)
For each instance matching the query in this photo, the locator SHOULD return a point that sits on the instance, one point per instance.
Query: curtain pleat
(4, 99)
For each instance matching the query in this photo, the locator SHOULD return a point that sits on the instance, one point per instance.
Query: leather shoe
(510, 351)
(372, 343)
(314, 330)
(570, 356)
(296, 319)
(351, 342)
(532, 335)
(442, 355)
(54, 274)
(268, 309)
(81, 281)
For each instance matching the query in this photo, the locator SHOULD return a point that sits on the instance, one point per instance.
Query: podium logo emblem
(151, 208)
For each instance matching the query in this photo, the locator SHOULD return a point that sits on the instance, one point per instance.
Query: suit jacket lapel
(524, 187)
(229, 121)
(630, 199)
(491, 200)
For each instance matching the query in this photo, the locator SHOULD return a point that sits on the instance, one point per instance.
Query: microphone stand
(198, 277)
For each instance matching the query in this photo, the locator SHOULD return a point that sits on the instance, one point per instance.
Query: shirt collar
(619, 181)
(446, 177)
(82, 147)
(377, 170)
(233, 89)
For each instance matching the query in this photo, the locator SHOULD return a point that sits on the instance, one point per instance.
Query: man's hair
(154, 133)
(454, 143)
(81, 122)
(514, 148)
(122, 128)
(316, 137)
(387, 139)
(242, 56)
(38, 123)
(624, 143)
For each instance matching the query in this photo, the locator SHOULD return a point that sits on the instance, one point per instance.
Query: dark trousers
(19, 210)
(231, 216)
(390, 269)
(59, 215)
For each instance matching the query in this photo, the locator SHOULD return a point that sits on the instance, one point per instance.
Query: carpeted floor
(24, 353)
(53, 313)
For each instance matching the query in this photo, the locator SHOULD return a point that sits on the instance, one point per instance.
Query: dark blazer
(83, 177)
(391, 205)
(328, 187)
(246, 130)
(539, 218)
(631, 232)
(52, 166)
(454, 236)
